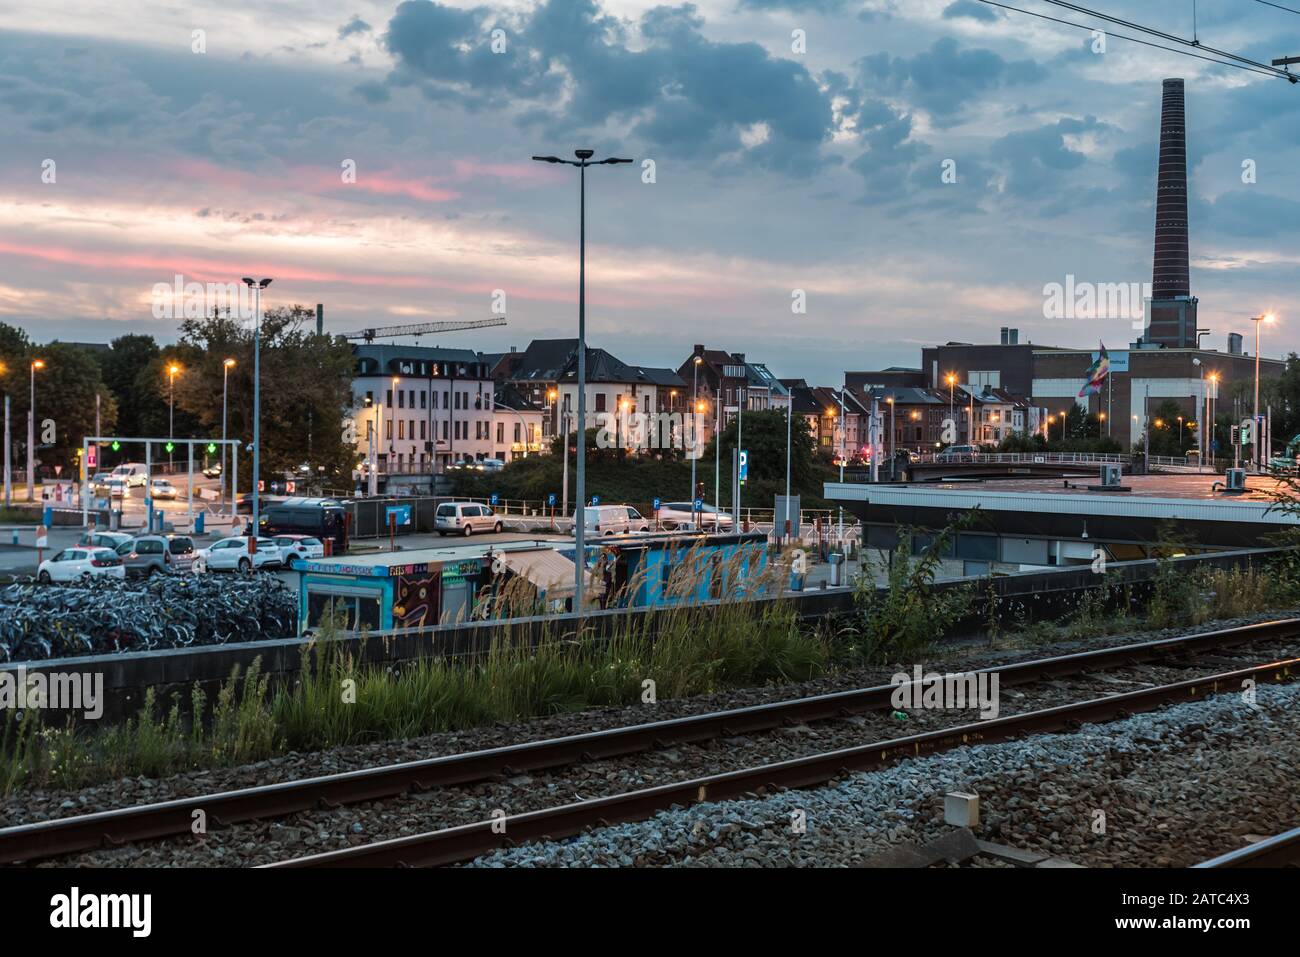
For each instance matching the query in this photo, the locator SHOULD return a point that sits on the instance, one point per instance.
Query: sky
(788, 198)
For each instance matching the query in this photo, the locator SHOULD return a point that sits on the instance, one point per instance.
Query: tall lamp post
(226, 366)
(257, 286)
(171, 410)
(31, 432)
(584, 159)
(952, 405)
(695, 401)
(1255, 423)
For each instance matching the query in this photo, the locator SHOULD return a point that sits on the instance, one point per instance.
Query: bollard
(198, 524)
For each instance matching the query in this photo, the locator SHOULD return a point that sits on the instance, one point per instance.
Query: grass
(336, 701)
(693, 650)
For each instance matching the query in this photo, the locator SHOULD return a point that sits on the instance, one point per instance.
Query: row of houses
(422, 410)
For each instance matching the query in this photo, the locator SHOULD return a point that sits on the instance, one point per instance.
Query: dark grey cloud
(1039, 162)
(945, 78)
(795, 6)
(681, 91)
(972, 9)
(353, 26)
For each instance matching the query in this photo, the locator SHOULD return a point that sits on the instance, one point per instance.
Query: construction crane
(422, 328)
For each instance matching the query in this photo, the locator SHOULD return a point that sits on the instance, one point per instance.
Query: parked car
(231, 554)
(76, 563)
(682, 515)
(132, 473)
(491, 465)
(104, 539)
(99, 481)
(954, 453)
(613, 520)
(298, 548)
(161, 488)
(465, 518)
(147, 555)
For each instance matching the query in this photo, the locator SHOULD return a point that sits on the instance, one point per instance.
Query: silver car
(465, 518)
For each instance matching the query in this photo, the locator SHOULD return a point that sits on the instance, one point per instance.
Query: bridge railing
(1027, 458)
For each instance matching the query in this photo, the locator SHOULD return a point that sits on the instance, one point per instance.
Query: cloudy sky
(782, 161)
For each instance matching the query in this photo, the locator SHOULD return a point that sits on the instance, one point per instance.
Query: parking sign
(744, 465)
(495, 499)
(656, 507)
(595, 500)
(550, 500)
(699, 505)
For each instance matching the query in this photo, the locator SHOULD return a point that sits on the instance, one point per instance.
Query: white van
(614, 520)
(132, 473)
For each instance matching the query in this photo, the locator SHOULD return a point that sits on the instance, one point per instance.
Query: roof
(507, 396)
(384, 356)
(556, 360)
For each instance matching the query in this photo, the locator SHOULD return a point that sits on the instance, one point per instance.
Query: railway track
(458, 844)
(70, 835)
(1282, 850)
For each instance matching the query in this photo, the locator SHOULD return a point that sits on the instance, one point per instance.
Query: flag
(1096, 373)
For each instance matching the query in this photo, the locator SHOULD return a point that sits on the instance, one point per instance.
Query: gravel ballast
(1175, 787)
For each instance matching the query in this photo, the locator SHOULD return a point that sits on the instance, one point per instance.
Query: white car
(465, 518)
(231, 554)
(133, 473)
(80, 561)
(682, 515)
(613, 520)
(298, 548)
(161, 488)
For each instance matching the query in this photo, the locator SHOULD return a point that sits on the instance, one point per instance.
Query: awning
(546, 568)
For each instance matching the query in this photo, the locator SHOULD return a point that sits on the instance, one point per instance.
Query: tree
(306, 391)
(1165, 429)
(65, 405)
(121, 368)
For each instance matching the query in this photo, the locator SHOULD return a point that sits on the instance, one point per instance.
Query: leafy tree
(306, 391)
(65, 398)
(121, 368)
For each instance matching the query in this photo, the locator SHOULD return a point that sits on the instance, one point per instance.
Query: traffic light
(117, 446)
(170, 447)
(212, 448)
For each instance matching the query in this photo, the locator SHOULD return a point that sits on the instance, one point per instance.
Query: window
(600, 402)
(424, 399)
(517, 436)
(401, 429)
(444, 437)
(501, 433)
(992, 379)
(390, 398)
(388, 430)
(411, 394)
(422, 429)
(401, 396)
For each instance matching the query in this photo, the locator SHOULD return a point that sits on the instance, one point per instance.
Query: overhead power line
(1266, 71)
(1171, 37)
(1269, 3)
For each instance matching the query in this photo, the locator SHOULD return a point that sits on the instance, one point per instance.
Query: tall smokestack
(1172, 277)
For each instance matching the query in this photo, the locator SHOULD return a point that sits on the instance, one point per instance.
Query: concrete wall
(127, 676)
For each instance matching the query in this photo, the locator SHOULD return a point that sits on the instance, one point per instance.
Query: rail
(1281, 850)
(87, 831)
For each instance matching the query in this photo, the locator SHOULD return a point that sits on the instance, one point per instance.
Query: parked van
(614, 520)
(318, 517)
(465, 518)
(132, 473)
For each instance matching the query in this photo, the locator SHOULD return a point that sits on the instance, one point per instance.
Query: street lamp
(31, 432)
(257, 286)
(584, 159)
(695, 401)
(952, 403)
(226, 366)
(1255, 428)
(171, 409)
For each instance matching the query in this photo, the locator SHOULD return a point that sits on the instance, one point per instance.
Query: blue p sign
(699, 505)
(656, 505)
(550, 500)
(495, 498)
(595, 500)
(744, 466)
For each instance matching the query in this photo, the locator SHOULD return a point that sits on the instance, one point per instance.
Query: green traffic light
(117, 446)
(212, 448)
(170, 447)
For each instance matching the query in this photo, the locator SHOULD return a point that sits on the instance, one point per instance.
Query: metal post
(789, 418)
(85, 476)
(225, 390)
(31, 437)
(1255, 427)
(189, 464)
(148, 489)
(717, 466)
(740, 425)
(9, 472)
(564, 492)
(695, 401)
(875, 438)
(844, 434)
(257, 404)
(580, 513)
